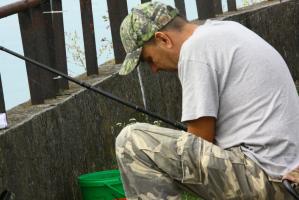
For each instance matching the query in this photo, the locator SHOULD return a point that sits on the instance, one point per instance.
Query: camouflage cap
(140, 26)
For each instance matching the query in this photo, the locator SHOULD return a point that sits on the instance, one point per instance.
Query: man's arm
(203, 127)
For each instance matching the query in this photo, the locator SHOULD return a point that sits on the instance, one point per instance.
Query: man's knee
(129, 139)
(127, 133)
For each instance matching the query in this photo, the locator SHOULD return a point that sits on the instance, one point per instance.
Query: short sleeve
(200, 90)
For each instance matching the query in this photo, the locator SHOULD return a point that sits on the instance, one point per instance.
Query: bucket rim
(94, 179)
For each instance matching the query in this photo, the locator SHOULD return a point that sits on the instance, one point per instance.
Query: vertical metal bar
(56, 40)
(118, 10)
(218, 7)
(89, 37)
(180, 5)
(205, 9)
(41, 25)
(2, 103)
(33, 73)
(46, 8)
(58, 46)
(143, 1)
(231, 5)
(34, 31)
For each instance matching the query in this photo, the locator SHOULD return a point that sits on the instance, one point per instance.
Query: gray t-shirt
(232, 74)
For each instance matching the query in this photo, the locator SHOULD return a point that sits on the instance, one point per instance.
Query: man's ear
(163, 40)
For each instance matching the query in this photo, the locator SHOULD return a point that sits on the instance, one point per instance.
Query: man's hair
(176, 24)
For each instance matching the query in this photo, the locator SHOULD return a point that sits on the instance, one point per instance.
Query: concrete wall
(48, 146)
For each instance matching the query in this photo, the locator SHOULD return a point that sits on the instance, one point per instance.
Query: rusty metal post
(180, 5)
(118, 10)
(89, 37)
(33, 73)
(218, 7)
(41, 38)
(16, 7)
(56, 39)
(205, 9)
(34, 32)
(231, 5)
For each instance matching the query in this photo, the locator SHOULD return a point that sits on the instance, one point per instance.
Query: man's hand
(292, 175)
(203, 127)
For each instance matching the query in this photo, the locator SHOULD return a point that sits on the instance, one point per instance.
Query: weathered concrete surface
(48, 146)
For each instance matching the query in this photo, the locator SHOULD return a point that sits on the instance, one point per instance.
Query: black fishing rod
(177, 125)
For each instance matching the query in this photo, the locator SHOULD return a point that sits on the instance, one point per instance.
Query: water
(13, 71)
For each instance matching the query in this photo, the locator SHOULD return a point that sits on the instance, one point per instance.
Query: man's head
(152, 33)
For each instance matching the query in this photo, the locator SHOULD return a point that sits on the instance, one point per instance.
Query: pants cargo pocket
(217, 173)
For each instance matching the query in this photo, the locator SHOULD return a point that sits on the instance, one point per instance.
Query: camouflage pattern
(158, 163)
(139, 27)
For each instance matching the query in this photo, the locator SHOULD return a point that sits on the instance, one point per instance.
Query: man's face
(158, 57)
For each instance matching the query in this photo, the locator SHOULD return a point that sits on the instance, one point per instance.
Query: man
(239, 103)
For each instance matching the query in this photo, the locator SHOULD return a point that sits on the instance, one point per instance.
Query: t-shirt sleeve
(200, 90)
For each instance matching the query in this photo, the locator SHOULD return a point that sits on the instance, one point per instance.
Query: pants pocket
(217, 173)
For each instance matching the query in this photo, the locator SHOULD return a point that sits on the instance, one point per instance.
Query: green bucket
(103, 185)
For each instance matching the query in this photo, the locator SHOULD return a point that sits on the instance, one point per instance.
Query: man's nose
(154, 68)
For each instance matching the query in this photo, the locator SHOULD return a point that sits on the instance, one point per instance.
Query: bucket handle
(115, 190)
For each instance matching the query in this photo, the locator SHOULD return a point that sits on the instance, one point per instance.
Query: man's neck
(187, 32)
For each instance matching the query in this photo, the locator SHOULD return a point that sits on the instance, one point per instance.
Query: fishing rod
(175, 124)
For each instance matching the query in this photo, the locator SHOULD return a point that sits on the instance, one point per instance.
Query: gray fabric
(230, 73)
(156, 162)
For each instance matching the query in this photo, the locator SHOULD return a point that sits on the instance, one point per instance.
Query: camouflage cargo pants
(156, 163)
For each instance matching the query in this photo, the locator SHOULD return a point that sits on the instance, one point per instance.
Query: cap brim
(130, 62)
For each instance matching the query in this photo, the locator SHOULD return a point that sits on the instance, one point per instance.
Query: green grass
(188, 196)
